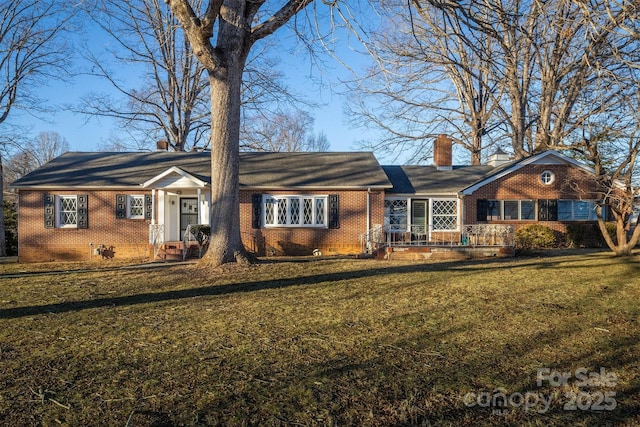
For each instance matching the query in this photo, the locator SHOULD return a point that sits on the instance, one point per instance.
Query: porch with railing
(193, 244)
(470, 236)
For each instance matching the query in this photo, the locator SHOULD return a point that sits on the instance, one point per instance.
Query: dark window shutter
(49, 211)
(256, 210)
(121, 206)
(83, 211)
(148, 206)
(547, 210)
(334, 221)
(552, 206)
(543, 211)
(482, 206)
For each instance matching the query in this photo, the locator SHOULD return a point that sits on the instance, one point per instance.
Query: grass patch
(321, 342)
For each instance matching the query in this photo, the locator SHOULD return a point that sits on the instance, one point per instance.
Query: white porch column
(153, 206)
(199, 205)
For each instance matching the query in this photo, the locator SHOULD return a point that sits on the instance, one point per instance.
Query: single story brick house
(137, 205)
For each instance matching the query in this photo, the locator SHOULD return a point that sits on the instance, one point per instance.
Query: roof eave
(313, 187)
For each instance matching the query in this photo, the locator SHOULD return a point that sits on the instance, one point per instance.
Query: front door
(188, 213)
(420, 221)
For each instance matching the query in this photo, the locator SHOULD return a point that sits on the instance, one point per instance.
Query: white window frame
(130, 199)
(387, 218)
(573, 202)
(319, 210)
(547, 177)
(433, 215)
(59, 212)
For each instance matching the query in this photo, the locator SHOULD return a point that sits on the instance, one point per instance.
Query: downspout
(368, 209)
(461, 198)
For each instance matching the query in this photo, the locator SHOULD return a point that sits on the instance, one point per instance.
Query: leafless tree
(170, 100)
(485, 70)
(289, 131)
(429, 77)
(547, 58)
(610, 139)
(613, 154)
(31, 52)
(222, 34)
(35, 153)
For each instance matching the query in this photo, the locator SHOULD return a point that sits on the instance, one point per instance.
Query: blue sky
(89, 134)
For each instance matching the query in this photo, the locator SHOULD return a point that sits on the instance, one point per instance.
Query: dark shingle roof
(417, 179)
(279, 170)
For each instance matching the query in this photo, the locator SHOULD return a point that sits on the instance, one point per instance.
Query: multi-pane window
(135, 207)
(444, 215)
(576, 210)
(395, 214)
(295, 211)
(510, 210)
(494, 210)
(62, 211)
(67, 211)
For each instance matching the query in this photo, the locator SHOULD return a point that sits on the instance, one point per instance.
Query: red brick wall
(525, 184)
(302, 241)
(442, 151)
(128, 237)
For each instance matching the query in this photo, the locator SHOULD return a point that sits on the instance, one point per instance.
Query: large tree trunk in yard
(3, 243)
(234, 25)
(225, 244)
(623, 246)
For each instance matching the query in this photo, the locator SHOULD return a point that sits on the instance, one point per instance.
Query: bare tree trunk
(622, 246)
(3, 242)
(226, 242)
(476, 147)
(233, 26)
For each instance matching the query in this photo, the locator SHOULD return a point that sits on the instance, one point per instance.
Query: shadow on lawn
(213, 290)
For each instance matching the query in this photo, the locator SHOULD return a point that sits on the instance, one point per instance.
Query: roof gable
(174, 177)
(548, 157)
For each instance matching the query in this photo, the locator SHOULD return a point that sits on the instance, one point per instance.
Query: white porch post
(153, 206)
(199, 205)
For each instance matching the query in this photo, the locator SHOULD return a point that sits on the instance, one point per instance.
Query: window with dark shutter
(148, 206)
(334, 221)
(83, 211)
(547, 210)
(121, 206)
(49, 211)
(482, 206)
(543, 211)
(552, 206)
(256, 210)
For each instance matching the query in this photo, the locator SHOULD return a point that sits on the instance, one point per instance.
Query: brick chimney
(442, 152)
(162, 145)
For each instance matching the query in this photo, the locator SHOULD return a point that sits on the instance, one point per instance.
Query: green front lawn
(324, 342)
